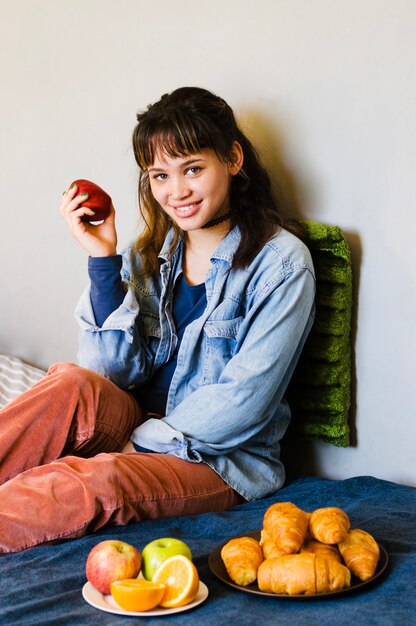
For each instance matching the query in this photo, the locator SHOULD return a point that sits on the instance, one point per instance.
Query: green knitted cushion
(319, 393)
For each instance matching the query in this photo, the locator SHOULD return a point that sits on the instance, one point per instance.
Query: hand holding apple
(157, 551)
(112, 560)
(98, 200)
(97, 240)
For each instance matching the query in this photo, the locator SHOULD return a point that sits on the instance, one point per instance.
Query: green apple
(157, 551)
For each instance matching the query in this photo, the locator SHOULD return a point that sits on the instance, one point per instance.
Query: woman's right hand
(97, 239)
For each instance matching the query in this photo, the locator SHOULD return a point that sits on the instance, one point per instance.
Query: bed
(43, 586)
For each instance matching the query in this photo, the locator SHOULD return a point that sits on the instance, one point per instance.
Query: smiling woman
(195, 194)
(194, 188)
(188, 341)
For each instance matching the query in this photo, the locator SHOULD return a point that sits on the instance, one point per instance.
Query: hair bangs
(173, 136)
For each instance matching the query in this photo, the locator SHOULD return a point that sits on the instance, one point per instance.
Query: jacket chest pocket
(220, 344)
(150, 330)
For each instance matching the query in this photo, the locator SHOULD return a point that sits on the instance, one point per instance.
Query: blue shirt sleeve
(106, 286)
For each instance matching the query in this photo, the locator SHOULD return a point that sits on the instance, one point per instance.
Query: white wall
(325, 88)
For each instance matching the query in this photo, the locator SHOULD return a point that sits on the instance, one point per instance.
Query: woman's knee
(74, 374)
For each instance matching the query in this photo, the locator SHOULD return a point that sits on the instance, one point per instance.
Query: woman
(188, 342)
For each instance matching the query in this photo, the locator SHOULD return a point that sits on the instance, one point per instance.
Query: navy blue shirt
(106, 286)
(189, 302)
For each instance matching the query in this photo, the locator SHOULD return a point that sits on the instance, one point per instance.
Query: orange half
(134, 594)
(181, 579)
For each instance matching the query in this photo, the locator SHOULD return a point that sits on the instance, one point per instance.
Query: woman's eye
(160, 177)
(193, 170)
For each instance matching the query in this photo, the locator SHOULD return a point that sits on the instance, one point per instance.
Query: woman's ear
(237, 158)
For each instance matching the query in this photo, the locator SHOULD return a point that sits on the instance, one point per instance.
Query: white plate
(108, 604)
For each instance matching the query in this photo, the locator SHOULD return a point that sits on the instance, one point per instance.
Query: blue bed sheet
(42, 586)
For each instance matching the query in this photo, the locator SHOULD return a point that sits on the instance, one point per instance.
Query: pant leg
(71, 410)
(74, 496)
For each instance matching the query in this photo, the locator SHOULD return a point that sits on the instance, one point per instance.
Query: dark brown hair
(187, 121)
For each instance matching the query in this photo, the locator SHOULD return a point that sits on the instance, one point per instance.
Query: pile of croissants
(302, 553)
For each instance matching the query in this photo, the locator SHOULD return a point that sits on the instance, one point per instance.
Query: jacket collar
(224, 251)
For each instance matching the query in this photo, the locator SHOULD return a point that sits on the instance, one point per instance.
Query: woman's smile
(186, 210)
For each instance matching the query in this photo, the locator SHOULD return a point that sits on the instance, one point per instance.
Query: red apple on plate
(112, 560)
(98, 200)
(157, 551)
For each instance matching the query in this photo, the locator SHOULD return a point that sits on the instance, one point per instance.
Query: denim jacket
(226, 403)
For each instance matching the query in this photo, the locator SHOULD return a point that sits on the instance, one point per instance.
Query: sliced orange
(181, 578)
(134, 594)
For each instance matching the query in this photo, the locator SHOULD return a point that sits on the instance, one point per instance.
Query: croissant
(361, 553)
(329, 524)
(286, 525)
(324, 550)
(302, 574)
(242, 557)
(268, 546)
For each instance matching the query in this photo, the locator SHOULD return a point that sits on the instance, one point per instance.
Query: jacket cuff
(155, 434)
(122, 318)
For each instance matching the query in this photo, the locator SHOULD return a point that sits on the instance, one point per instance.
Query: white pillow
(15, 377)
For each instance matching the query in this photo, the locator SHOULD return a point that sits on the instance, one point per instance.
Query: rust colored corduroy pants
(61, 472)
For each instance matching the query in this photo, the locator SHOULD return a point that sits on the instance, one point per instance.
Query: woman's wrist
(101, 254)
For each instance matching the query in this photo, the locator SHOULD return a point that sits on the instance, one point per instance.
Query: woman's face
(193, 189)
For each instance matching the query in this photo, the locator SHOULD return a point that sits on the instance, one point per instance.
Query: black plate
(217, 567)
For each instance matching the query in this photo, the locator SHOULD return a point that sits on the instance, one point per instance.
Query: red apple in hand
(112, 560)
(98, 200)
